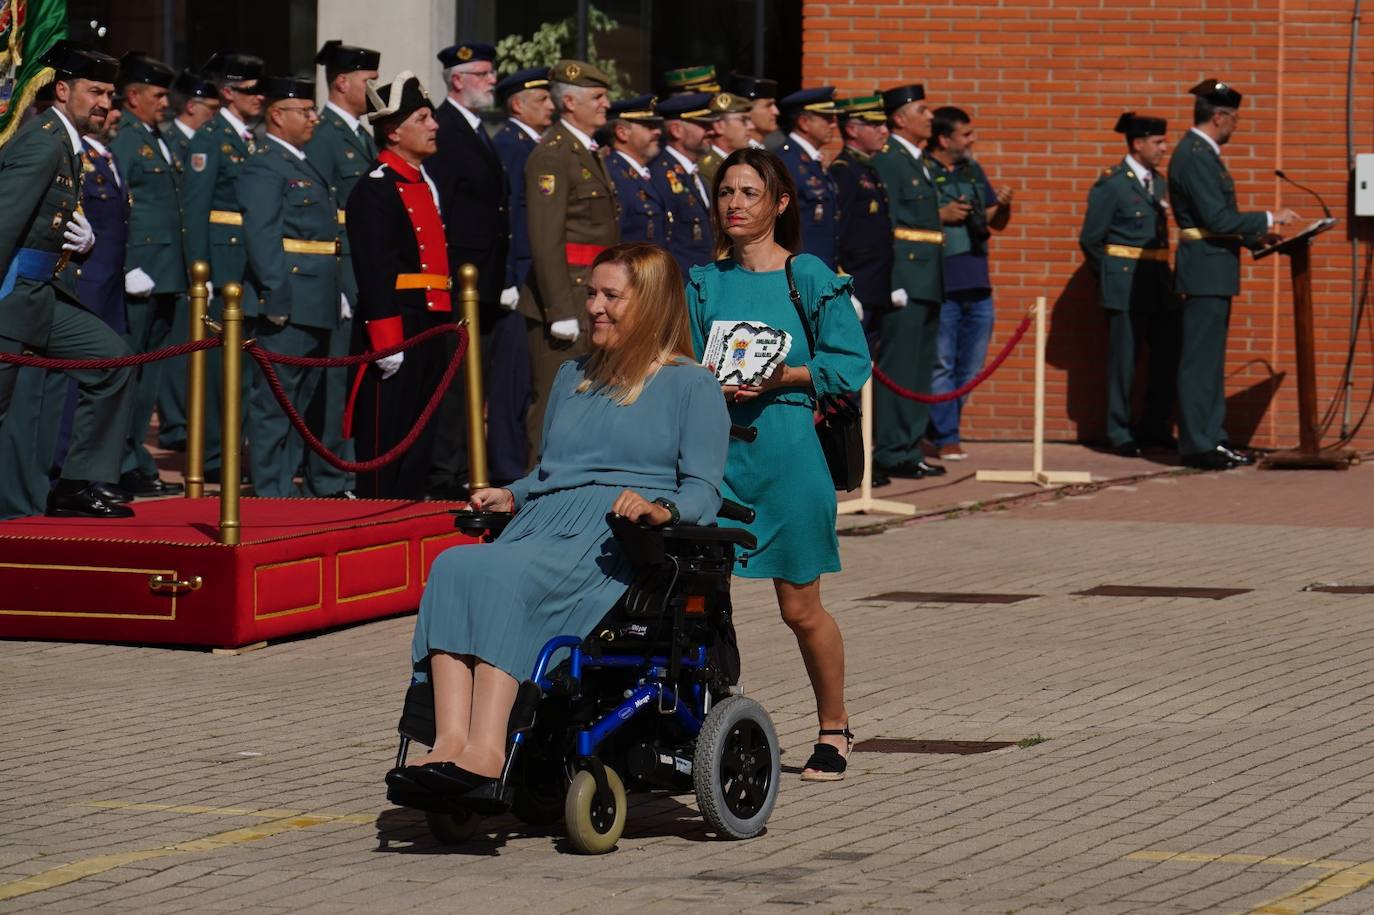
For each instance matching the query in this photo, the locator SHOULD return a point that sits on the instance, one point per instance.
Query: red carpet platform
(160, 578)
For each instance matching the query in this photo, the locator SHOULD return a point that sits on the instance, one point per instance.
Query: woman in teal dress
(638, 429)
(782, 475)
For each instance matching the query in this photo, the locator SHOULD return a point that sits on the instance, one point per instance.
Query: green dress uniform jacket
(177, 141)
(40, 175)
(155, 229)
(214, 226)
(572, 210)
(1125, 238)
(1211, 228)
(913, 205)
(907, 337)
(288, 207)
(342, 155)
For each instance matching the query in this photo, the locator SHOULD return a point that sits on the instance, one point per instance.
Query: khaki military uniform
(573, 215)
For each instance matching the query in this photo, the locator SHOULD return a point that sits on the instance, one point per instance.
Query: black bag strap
(797, 304)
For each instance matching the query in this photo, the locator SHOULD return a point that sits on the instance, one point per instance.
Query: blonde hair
(655, 330)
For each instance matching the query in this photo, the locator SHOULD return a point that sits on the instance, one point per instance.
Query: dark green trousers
(907, 339)
(326, 414)
(105, 398)
(27, 437)
(275, 447)
(1202, 373)
(1128, 332)
(150, 328)
(171, 396)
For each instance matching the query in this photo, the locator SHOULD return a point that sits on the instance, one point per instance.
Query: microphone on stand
(1325, 208)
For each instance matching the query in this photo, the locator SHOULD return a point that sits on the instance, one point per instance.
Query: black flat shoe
(826, 763)
(447, 778)
(84, 503)
(403, 777)
(1240, 458)
(907, 470)
(880, 478)
(117, 495)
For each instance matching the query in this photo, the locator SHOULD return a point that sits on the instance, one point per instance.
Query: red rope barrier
(118, 362)
(972, 383)
(265, 360)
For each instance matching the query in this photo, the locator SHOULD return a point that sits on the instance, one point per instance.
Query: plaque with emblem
(744, 352)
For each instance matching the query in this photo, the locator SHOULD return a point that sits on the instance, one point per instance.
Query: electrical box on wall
(1364, 184)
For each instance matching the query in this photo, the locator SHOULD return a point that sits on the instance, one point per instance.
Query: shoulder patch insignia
(547, 183)
(198, 161)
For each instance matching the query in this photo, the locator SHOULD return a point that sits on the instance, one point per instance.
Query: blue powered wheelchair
(649, 700)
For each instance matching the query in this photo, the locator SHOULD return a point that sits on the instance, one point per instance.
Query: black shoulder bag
(837, 419)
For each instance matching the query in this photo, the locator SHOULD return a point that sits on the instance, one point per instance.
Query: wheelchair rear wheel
(736, 768)
(452, 828)
(594, 827)
(540, 806)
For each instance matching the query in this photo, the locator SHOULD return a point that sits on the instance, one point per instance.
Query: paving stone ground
(1199, 755)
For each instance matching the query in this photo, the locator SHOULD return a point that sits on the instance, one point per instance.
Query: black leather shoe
(1161, 442)
(931, 470)
(404, 778)
(1208, 460)
(1241, 458)
(1126, 449)
(880, 478)
(447, 778)
(141, 485)
(907, 470)
(116, 495)
(84, 503)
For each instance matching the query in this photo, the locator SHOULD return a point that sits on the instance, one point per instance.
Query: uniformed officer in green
(343, 151)
(572, 218)
(907, 335)
(155, 260)
(1125, 238)
(40, 229)
(214, 223)
(1207, 271)
(193, 100)
(291, 224)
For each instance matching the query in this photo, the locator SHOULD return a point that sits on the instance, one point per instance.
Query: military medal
(673, 184)
(586, 174)
(872, 207)
(819, 214)
(146, 152)
(696, 231)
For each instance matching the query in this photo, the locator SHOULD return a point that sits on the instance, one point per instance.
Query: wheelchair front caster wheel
(593, 826)
(736, 768)
(452, 828)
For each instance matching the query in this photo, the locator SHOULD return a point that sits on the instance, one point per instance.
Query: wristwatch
(673, 516)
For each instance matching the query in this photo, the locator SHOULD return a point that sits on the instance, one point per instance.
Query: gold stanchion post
(195, 384)
(231, 434)
(472, 372)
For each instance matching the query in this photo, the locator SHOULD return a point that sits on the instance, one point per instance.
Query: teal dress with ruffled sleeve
(782, 475)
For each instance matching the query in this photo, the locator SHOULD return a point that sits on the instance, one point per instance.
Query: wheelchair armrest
(478, 522)
(731, 510)
(697, 533)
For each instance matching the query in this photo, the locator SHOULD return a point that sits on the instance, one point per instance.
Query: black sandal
(825, 763)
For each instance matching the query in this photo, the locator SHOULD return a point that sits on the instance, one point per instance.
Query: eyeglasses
(478, 74)
(309, 111)
(245, 90)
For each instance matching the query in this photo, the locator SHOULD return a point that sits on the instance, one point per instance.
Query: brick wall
(1045, 81)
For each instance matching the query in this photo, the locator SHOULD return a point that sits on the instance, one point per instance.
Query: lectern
(1309, 453)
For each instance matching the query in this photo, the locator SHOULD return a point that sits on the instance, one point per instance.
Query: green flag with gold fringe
(27, 29)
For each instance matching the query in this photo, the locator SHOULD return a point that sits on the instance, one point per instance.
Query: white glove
(137, 283)
(565, 329)
(510, 297)
(899, 298)
(858, 306)
(79, 235)
(209, 290)
(345, 309)
(390, 365)
(279, 320)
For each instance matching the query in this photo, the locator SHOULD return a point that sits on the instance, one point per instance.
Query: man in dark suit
(473, 195)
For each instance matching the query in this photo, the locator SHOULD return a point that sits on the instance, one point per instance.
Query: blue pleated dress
(782, 475)
(556, 569)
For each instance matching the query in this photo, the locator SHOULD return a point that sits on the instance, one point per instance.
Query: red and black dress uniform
(400, 258)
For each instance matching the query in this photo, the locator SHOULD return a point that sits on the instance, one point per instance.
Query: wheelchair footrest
(489, 800)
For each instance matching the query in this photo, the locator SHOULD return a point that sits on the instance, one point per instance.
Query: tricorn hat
(751, 87)
(345, 58)
(1217, 92)
(233, 66)
(895, 98)
(399, 98)
(276, 88)
(193, 85)
(72, 60)
(138, 67)
(1135, 126)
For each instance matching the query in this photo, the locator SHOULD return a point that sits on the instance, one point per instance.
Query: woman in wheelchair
(637, 429)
